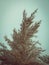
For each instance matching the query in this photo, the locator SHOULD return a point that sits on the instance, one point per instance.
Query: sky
(11, 17)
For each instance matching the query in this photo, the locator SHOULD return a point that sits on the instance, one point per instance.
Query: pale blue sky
(11, 17)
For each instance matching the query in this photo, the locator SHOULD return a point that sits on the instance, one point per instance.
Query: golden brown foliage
(24, 51)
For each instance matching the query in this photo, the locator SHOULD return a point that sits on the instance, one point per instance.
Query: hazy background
(11, 17)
